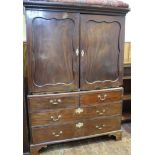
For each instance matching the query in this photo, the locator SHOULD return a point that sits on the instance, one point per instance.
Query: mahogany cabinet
(75, 70)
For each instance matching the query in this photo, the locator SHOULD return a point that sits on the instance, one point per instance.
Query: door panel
(54, 64)
(101, 44)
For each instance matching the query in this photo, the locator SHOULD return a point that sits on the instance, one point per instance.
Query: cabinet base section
(36, 148)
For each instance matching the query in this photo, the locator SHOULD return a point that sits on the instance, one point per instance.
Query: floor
(127, 127)
(95, 146)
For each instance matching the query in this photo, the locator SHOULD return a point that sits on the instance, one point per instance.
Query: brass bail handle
(100, 112)
(56, 119)
(57, 134)
(55, 101)
(100, 127)
(102, 98)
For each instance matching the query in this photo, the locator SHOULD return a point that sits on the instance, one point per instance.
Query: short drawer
(72, 114)
(76, 129)
(54, 101)
(101, 96)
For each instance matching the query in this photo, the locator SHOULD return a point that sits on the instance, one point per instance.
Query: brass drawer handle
(58, 134)
(102, 98)
(100, 112)
(79, 110)
(79, 125)
(55, 101)
(100, 127)
(55, 119)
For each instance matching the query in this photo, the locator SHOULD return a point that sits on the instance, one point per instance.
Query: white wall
(128, 23)
(24, 28)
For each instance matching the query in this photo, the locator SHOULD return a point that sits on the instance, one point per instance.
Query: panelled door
(53, 43)
(53, 51)
(101, 49)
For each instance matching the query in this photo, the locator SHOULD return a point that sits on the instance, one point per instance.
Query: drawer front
(47, 102)
(98, 97)
(75, 129)
(65, 115)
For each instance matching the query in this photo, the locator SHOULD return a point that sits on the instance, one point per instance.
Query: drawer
(54, 101)
(72, 114)
(101, 96)
(76, 129)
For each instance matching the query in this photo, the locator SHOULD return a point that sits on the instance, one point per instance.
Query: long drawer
(65, 115)
(76, 129)
(101, 96)
(67, 100)
(54, 101)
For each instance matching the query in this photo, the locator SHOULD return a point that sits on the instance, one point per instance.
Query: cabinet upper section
(71, 51)
(74, 46)
(110, 7)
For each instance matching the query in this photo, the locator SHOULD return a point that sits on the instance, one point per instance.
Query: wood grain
(68, 115)
(72, 51)
(99, 97)
(52, 38)
(70, 130)
(102, 42)
(51, 102)
(92, 146)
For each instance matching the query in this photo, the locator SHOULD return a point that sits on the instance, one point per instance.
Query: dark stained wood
(61, 79)
(34, 150)
(81, 8)
(26, 143)
(88, 143)
(102, 42)
(127, 86)
(25, 128)
(65, 100)
(126, 111)
(67, 115)
(51, 102)
(126, 115)
(127, 70)
(52, 42)
(127, 97)
(72, 130)
(101, 96)
(118, 135)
